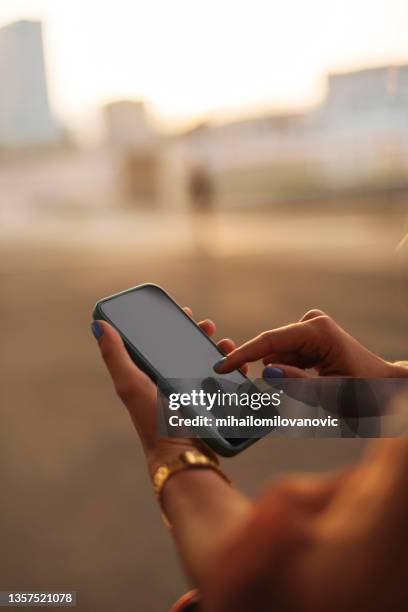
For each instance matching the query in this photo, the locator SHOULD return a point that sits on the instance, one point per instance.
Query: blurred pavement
(77, 511)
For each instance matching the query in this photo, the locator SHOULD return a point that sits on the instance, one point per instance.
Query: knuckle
(126, 389)
(106, 351)
(313, 313)
(266, 336)
(324, 323)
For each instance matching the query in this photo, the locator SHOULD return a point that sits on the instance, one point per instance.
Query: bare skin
(312, 542)
(316, 341)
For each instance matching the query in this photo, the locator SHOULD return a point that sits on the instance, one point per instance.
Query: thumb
(297, 384)
(280, 370)
(127, 378)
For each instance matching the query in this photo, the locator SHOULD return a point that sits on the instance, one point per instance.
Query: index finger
(283, 339)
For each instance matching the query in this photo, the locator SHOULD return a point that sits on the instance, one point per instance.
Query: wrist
(167, 450)
(188, 460)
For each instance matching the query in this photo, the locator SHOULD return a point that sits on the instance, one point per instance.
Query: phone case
(219, 444)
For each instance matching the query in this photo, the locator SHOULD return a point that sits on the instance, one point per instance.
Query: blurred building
(362, 126)
(374, 99)
(127, 126)
(136, 145)
(356, 139)
(25, 115)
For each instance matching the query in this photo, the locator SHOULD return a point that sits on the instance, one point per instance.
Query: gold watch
(188, 460)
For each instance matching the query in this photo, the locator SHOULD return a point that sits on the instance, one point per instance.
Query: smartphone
(169, 347)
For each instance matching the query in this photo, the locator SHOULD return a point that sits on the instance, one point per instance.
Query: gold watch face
(194, 457)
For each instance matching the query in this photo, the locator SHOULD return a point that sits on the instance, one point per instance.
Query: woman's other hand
(316, 341)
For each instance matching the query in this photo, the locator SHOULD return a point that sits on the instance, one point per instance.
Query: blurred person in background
(311, 542)
(201, 189)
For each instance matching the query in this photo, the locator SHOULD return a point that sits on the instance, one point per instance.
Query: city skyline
(277, 54)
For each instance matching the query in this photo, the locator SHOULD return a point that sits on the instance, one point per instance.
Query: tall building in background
(25, 115)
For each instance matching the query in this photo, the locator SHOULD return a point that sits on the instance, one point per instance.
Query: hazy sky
(192, 57)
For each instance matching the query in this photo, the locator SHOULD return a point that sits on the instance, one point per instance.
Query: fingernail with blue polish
(219, 364)
(97, 330)
(270, 372)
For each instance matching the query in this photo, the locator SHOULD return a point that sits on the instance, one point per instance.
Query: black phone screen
(165, 336)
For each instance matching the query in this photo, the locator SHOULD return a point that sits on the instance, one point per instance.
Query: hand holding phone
(162, 343)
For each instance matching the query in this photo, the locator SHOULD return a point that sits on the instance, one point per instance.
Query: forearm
(202, 508)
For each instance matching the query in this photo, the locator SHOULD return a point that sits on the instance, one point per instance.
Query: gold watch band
(188, 460)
